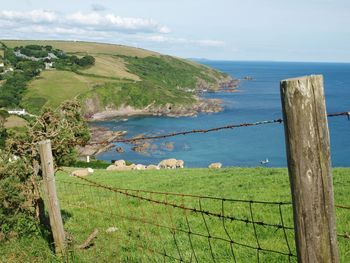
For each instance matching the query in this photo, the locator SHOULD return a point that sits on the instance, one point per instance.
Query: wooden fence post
(52, 200)
(309, 166)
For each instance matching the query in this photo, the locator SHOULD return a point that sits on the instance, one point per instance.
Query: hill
(122, 80)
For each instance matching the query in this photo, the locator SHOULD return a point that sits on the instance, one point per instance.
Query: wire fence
(153, 226)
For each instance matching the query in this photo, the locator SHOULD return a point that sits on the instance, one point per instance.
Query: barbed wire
(231, 126)
(194, 210)
(343, 207)
(205, 218)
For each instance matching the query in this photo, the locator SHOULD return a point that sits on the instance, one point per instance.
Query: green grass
(86, 208)
(15, 121)
(54, 87)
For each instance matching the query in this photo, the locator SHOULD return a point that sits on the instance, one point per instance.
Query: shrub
(20, 201)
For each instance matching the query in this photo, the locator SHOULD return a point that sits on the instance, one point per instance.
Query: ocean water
(256, 100)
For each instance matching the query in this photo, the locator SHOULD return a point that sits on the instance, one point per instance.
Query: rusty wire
(200, 212)
(153, 229)
(226, 127)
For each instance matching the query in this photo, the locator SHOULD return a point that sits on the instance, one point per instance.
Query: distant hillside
(123, 80)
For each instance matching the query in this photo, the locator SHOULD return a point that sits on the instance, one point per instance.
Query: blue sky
(282, 30)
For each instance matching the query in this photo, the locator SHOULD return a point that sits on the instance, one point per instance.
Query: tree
(86, 61)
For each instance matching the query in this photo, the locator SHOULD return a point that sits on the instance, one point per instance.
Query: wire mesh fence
(150, 226)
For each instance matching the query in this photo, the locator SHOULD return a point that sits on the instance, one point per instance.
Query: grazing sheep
(168, 164)
(180, 164)
(82, 172)
(139, 167)
(215, 166)
(120, 163)
(112, 168)
(120, 168)
(152, 167)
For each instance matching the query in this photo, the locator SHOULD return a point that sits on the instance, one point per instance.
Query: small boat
(264, 162)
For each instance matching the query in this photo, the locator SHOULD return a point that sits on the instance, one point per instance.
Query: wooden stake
(309, 166)
(50, 190)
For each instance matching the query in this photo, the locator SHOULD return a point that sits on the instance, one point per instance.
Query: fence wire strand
(226, 127)
(187, 225)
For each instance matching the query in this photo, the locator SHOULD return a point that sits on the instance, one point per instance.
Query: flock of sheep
(121, 166)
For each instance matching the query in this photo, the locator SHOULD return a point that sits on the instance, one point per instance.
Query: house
(52, 56)
(17, 112)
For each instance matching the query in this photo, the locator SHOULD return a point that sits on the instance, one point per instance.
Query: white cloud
(92, 20)
(34, 16)
(164, 30)
(93, 26)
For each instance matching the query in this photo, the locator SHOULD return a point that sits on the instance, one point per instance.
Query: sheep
(215, 166)
(152, 167)
(120, 163)
(139, 167)
(82, 172)
(168, 164)
(180, 164)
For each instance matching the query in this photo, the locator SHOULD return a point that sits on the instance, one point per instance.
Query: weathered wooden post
(309, 166)
(52, 200)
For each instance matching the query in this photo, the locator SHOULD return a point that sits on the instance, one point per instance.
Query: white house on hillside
(18, 112)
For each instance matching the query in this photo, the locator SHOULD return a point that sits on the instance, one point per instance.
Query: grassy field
(14, 121)
(145, 228)
(110, 66)
(84, 47)
(54, 87)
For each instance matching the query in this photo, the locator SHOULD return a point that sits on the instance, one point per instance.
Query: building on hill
(18, 112)
(52, 56)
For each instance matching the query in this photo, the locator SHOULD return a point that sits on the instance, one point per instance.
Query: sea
(256, 100)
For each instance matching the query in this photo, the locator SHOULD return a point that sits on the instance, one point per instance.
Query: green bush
(95, 164)
(19, 188)
(16, 217)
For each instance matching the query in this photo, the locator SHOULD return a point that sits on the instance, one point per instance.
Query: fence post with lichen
(54, 211)
(309, 166)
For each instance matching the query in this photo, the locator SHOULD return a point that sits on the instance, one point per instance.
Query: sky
(267, 30)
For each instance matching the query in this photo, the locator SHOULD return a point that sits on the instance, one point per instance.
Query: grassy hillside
(85, 208)
(121, 76)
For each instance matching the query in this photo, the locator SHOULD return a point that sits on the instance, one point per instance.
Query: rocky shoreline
(169, 110)
(102, 138)
(101, 141)
(200, 105)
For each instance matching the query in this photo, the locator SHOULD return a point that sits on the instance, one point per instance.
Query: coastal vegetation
(103, 77)
(20, 201)
(24, 63)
